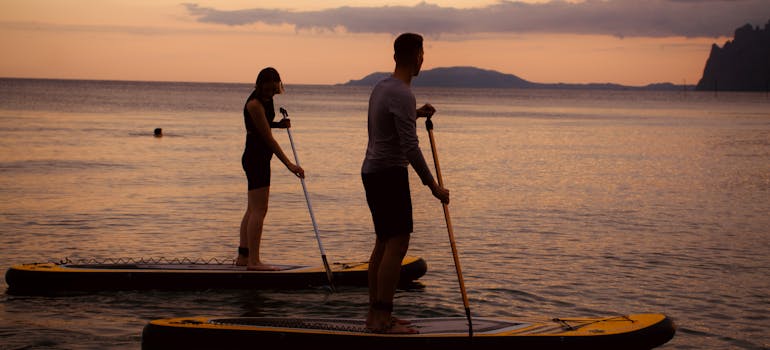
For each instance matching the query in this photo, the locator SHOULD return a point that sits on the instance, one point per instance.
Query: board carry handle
(429, 126)
(329, 275)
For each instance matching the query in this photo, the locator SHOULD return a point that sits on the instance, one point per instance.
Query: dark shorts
(389, 199)
(257, 168)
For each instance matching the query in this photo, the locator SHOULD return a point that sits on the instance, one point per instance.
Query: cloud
(621, 18)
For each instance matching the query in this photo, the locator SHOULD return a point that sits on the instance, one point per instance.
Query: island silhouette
(743, 64)
(473, 77)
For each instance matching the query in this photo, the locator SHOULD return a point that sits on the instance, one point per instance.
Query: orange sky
(162, 40)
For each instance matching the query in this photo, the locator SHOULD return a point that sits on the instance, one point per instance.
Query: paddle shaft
(450, 231)
(329, 274)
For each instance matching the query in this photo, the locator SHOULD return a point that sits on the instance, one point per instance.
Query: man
(392, 147)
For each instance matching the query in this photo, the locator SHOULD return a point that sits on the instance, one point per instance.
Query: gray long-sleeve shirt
(392, 126)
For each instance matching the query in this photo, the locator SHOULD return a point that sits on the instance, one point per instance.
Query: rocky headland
(742, 64)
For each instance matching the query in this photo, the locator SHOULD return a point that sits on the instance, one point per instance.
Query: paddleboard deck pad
(636, 331)
(45, 278)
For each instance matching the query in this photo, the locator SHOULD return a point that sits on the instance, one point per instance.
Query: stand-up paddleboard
(42, 278)
(638, 331)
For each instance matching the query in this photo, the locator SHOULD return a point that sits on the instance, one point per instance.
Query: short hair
(269, 75)
(406, 47)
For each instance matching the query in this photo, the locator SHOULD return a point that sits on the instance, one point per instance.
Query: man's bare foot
(396, 320)
(241, 260)
(394, 328)
(262, 267)
(379, 321)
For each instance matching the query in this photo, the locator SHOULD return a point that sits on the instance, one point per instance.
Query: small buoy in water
(158, 132)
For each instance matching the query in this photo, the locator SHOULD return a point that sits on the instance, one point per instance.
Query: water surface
(564, 203)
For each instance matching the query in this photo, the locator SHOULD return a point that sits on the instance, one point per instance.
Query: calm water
(564, 203)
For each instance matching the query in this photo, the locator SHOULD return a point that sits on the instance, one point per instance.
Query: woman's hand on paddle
(439, 192)
(426, 111)
(285, 123)
(296, 170)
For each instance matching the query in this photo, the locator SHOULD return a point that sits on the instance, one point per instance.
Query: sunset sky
(632, 42)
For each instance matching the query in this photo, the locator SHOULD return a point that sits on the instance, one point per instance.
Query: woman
(259, 115)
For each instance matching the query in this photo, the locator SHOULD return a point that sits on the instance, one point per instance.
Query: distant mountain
(469, 77)
(472, 77)
(743, 64)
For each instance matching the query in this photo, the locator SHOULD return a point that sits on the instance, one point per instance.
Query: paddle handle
(329, 274)
(450, 231)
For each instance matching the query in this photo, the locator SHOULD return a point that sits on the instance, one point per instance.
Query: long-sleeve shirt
(392, 127)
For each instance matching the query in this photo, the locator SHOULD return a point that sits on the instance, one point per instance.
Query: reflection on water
(565, 203)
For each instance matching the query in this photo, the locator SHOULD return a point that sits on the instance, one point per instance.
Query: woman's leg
(243, 243)
(258, 199)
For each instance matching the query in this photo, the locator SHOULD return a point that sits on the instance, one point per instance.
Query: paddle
(429, 126)
(310, 207)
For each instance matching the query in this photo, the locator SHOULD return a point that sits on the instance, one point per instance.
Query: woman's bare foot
(243, 257)
(262, 267)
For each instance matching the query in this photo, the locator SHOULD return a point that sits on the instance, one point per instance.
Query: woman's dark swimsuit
(257, 154)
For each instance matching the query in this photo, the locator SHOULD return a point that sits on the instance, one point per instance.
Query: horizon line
(334, 84)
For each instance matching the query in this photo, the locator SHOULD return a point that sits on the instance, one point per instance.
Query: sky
(630, 42)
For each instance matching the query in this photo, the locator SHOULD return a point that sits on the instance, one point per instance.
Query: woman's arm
(282, 124)
(257, 113)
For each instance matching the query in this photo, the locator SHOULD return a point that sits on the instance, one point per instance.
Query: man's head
(408, 52)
